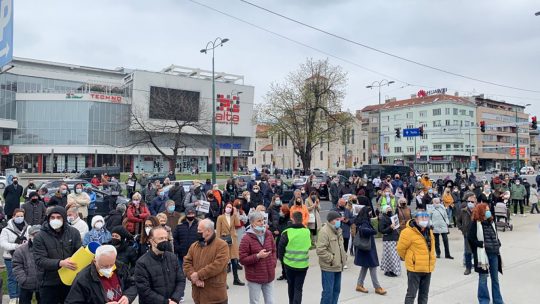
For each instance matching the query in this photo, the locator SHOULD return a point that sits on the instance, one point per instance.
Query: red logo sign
(4, 150)
(111, 98)
(228, 109)
(421, 93)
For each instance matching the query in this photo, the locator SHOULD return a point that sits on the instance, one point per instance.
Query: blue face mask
(171, 208)
(488, 215)
(260, 229)
(337, 224)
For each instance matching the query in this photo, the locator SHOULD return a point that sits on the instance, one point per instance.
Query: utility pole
(517, 142)
(379, 84)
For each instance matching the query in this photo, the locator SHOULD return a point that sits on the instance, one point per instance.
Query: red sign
(421, 93)
(4, 150)
(111, 98)
(521, 151)
(228, 109)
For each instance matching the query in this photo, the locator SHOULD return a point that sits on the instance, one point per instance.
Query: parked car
(492, 171)
(3, 182)
(299, 182)
(157, 176)
(527, 170)
(88, 173)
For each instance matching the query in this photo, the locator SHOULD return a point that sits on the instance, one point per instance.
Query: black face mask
(190, 218)
(298, 203)
(164, 246)
(200, 238)
(115, 242)
(197, 190)
(389, 213)
(15, 182)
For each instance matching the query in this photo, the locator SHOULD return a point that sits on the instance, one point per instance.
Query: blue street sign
(6, 32)
(411, 132)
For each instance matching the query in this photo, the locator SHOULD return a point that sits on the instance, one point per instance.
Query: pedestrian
(173, 217)
(332, 257)
(273, 215)
(177, 194)
(194, 197)
(416, 248)
(11, 238)
(79, 199)
(158, 276)
(334, 191)
(284, 223)
(485, 246)
(215, 209)
(24, 268)
(55, 233)
(123, 242)
(12, 197)
(533, 199)
(403, 213)
(171, 176)
(299, 206)
(76, 222)
(386, 199)
(34, 210)
(314, 221)
(143, 239)
(95, 181)
(240, 228)
(158, 203)
(115, 217)
(185, 234)
(131, 184)
(464, 222)
(258, 255)
(60, 197)
(225, 229)
(293, 252)
(137, 212)
(105, 280)
(367, 259)
(256, 197)
(347, 218)
(517, 195)
(98, 233)
(448, 201)
(440, 222)
(390, 262)
(205, 266)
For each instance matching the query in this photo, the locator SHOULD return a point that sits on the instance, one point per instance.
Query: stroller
(502, 217)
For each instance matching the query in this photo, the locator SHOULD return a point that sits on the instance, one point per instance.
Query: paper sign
(346, 196)
(395, 221)
(429, 208)
(356, 209)
(130, 183)
(265, 218)
(203, 207)
(82, 257)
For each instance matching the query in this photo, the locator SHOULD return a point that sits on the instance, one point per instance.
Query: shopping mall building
(57, 117)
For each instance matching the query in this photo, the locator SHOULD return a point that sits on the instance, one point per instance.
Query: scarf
(483, 262)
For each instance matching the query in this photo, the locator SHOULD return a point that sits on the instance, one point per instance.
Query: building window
(463, 112)
(386, 139)
(397, 149)
(436, 123)
(321, 155)
(364, 156)
(364, 144)
(471, 113)
(437, 148)
(436, 112)
(455, 111)
(352, 136)
(456, 123)
(447, 122)
(447, 111)
(409, 115)
(466, 123)
(423, 113)
(410, 149)
(448, 147)
(423, 148)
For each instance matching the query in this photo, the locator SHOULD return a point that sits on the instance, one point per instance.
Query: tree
(306, 107)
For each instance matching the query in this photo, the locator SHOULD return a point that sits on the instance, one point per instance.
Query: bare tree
(306, 107)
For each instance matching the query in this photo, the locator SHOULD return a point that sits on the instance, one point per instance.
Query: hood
(97, 218)
(57, 209)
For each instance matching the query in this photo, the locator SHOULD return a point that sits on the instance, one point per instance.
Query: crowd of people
(166, 236)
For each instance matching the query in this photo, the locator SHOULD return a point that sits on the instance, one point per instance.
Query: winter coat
(464, 220)
(177, 194)
(332, 254)
(404, 215)
(81, 226)
(127, 254)
(361, 257)
(87, 287)
(191, 198)
(256, 199)
(334, 192)
(12, 195)
(24, 266)
(81, 201)
(316, 211)
(185, 235)
(113, 219)
(34, 212)
(210, 262)
(517, 192)
(273, 218)
(51, 246)
(474, 244)
(8, 239)
(302, 209)
(439, 219)
(173, 219)
(448, 200)
(417, 251)
(136, 218)
(345, 226)
(260, 271)
(102, 236)
(224, 229)
(158, 204)
(58, 200)
(385, 227)
(533, 198)
(159, 278)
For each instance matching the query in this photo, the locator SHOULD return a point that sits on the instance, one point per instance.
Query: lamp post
(231, 110)
(379, 84)
(211, 46)
(517, 138)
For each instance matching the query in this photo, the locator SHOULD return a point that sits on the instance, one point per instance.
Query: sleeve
(86, 239)
(41, 255)
(83, 200)
(77, 293)
(367, 231)
(187, 201)
(180, 283)
(403, 244)
(188, 263)
(176, 239)
(219, 230)
(151, 208)
(4, 241)
(472, 238)
(384, 227)
(283, 241)
(246, 256)
(142, 277)
(18, 266)
(218, 264)
(5, 192)
(323, 248)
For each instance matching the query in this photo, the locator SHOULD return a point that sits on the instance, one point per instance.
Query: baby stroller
(502, 217)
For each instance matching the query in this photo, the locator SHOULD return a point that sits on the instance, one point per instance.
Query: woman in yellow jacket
(416, 246)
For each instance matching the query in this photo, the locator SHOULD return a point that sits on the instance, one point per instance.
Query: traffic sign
(6, 32)
(411, 132)
(245, 153)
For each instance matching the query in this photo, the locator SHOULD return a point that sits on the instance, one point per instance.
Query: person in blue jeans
(485, 246)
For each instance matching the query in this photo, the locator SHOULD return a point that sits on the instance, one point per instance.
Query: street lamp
(517, 138)
(379, 84)
(231, 110)
(211, 46)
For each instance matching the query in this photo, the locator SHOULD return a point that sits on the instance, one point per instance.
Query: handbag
(361, 243)
(311, 219)
(227, 239)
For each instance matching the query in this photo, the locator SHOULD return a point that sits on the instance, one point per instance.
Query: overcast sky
(492, 40)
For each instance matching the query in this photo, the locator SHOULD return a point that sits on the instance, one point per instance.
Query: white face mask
(228, 210)
(18, 220)
(106, 272)
(56, 224)
(256, 190)
(423, 224)
(98, 225)
(147, 230)
(78, 191)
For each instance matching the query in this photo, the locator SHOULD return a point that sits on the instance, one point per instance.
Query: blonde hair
(136, 196)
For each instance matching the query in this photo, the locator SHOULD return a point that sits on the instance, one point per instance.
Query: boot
(361, 288)
(380, 291)
(467, 271)
(238, 282)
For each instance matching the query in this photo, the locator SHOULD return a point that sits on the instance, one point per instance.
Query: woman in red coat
(137, 212)
(258, 255)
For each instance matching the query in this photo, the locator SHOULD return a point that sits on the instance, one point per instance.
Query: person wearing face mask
(215, 206)
(115, 217)
(273, 215)
(390, 262)
(24, 268)
(256, 197)
(485, 246)
(332, 257)
(440, 223)
(416, 247)
(225, 229)
(55, 233)
(137, 212)
(123, 241)
(185, 234)
(79, 199)
(403, 213)
(193, 197)
(346, 189)
(487, 196)
(205, 265)
(314, 221)
(12, 237)
(420, 199)
(258, 255)
(12, 197)
(76, 222)
(173, 217)
(387, 199)
(31, 187)
(464, 221)
(98, 233)
(60, 197)
(517, 195)
(34, 210)
(347, 218)
(106, 280)
(299, 206)
(158, 203)
(143, 239)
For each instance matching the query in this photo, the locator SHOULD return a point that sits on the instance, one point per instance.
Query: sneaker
(361, 288)
(449, 257)
(467, 271)
(281, 278)
(182, 300)
(514, 214)
(380, 291)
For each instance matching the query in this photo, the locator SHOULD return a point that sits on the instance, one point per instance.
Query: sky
(491, 40)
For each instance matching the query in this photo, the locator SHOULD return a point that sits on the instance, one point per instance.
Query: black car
(159, 176)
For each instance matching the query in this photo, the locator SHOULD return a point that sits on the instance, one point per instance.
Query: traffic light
(482, 126)
(421, 130)
(398, 132)
(534, 126)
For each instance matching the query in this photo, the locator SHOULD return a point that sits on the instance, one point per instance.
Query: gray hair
(74, 209)
(105, 250)
(207, 224)
(170, 202)
(121, 208)
(255, 216)
(436, 200)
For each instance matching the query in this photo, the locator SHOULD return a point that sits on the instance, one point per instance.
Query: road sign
(6, 32)
(245, 153)
(411, 132)
(451, 130)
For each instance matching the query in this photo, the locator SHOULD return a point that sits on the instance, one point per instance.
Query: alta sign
(228, 109)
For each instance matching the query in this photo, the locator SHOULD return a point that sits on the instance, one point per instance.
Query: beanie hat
(34, 229)
(96, 219)
(332, 215)
(122, 232)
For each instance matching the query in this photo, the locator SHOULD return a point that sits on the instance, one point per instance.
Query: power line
(385, 52)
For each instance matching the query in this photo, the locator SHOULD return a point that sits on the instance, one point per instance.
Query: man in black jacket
(53, 247)
(177, 194)
(12, 197)
(103, 281)
(158, 276)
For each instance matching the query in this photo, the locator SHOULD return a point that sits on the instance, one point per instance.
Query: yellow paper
(82, 257)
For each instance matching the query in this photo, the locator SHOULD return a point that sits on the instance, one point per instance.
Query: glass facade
(8, 88)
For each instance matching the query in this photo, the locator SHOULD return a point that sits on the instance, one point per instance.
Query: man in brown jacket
(205, 266)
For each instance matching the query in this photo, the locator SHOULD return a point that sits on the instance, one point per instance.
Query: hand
(123, 300)
(197, 203)
(276, 232)
(112, 302)
(194, 277)
(171, 301)
(263, 254)
(199, 283)
(67, 263)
